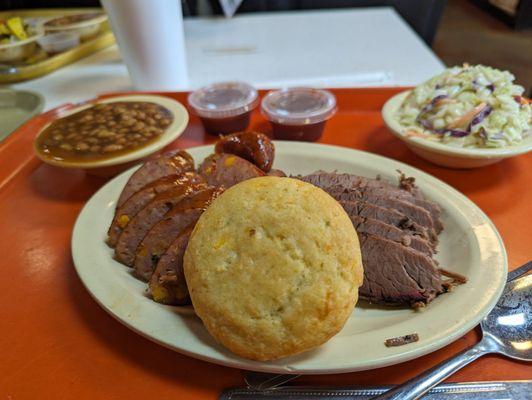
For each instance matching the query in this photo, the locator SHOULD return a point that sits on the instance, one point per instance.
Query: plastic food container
(298, 113)
(224, 107)
(85, 25)
(58, 42)
(19, 50)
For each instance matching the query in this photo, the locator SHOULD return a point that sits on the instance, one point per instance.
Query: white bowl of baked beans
(114, 132)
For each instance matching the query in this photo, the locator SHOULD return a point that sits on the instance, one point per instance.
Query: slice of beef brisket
(378, 187)
(433, 208)
(398, 232)
(326, 179)
(415, 213)
(381, 229)
(387, 215)
(396, 274)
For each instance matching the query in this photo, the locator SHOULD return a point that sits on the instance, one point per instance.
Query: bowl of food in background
(466, 117)
(54, 43)
(18, 40)
(86, 25)
(107, 136)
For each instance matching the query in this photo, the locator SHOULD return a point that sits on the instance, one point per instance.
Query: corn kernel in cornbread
(273, 268)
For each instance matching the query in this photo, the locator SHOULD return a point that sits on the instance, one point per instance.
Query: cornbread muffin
(273, 268)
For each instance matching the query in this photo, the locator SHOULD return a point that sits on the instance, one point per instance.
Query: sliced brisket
(378, 187)
(415, 213)
(390, 232)
(433, 209)
(396, 274)
(387, 215)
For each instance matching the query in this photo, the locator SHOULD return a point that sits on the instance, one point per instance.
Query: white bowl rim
(171, 133)
(389, 111)
(37, 35)
(98, 19)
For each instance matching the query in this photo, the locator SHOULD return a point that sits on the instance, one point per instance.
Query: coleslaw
(468, 106)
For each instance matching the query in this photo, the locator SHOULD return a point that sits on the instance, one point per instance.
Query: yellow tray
(10, 73)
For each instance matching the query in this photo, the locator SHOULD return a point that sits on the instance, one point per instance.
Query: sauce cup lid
(224, 99)
(299, 106)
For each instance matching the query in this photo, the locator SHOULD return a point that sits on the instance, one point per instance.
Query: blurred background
(491, 32)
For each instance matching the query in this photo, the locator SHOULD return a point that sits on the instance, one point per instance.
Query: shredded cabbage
(469, 106)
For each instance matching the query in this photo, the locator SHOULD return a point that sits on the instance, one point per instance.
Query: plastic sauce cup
(298, 113)
(224, 107)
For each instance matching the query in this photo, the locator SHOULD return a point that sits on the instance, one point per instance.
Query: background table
(57, 343)
(339, 48)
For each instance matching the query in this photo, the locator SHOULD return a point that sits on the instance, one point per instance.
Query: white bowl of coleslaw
(466, 117)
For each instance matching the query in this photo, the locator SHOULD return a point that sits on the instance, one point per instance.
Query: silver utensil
(518, 272)
(506, 330)
(266, 381)
(515, 390)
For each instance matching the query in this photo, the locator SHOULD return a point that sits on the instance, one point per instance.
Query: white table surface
(337, 48)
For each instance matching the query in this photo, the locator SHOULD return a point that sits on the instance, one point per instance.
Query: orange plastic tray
(57, 343)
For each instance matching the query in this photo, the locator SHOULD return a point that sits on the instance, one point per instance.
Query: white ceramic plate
(469, 244)
(443, 154)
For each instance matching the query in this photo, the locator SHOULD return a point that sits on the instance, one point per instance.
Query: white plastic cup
(151, 41)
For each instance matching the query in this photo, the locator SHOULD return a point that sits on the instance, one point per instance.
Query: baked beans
(104, 130)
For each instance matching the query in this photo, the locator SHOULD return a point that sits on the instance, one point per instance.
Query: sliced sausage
(175, 162)
(162, 234)
(138, 227)
(255, 147)
(276, 172)
(140, 199)
(227, 170)
(167, 284)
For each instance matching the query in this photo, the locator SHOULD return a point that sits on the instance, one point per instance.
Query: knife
(514, 390)
(518, 272)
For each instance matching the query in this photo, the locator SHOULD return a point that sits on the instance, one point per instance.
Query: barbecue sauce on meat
(254, 147)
